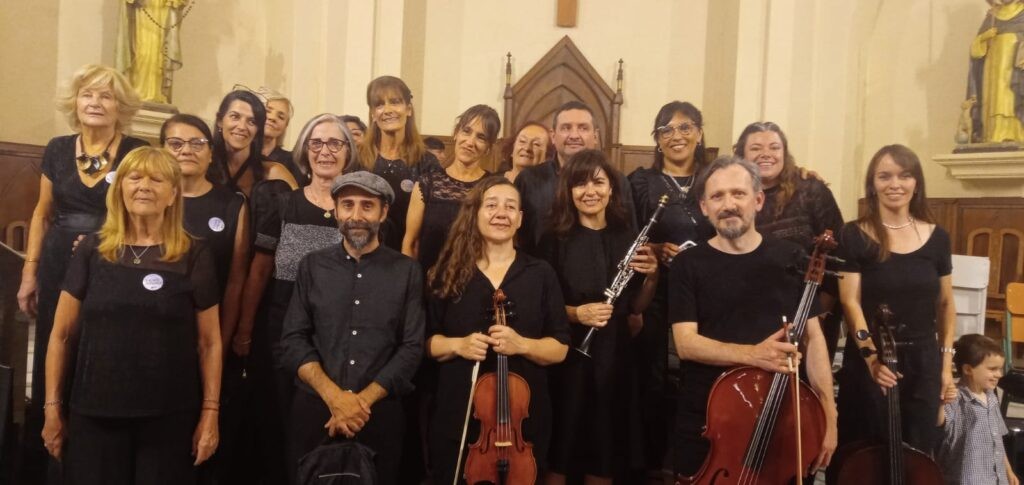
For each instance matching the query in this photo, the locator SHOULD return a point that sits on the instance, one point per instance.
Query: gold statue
(996, 80)
(148, 49)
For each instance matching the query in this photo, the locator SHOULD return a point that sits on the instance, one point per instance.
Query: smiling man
(354, 332)
(726, 301)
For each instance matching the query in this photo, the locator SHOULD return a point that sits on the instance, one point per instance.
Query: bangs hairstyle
(412, 149)
(155, 162)
(972, 349)
(508, 148)
(488, 118)
(465, 245)
(789, 176)
(664, 117)
(871, 222)
(93, 76)
(301, 157)
(219, 172)
(582, 168)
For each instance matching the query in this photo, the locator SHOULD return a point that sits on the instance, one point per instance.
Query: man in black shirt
(573, 131)
(354, 331)
(726, 300)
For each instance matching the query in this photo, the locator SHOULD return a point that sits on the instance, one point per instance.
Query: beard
(359, 234)
(729, 231)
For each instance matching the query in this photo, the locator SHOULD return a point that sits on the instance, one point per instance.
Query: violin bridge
(502, 444)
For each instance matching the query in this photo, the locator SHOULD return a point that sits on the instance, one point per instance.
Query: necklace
(91, 164)
(137, 256)
(312, 199)
(901, 226)
(684, 192)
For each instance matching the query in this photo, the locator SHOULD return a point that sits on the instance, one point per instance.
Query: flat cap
(368, 181)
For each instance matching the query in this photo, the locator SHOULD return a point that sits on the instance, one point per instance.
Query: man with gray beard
(726, 301)
(353, 333)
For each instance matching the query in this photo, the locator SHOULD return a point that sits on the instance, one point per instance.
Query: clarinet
(625, 272)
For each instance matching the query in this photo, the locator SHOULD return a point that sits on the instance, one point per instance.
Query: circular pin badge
(216, 224)
(153, 282)
(407, 185)
(110, 176)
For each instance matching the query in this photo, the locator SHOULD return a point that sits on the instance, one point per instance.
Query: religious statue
(148, 48)
(995, 85)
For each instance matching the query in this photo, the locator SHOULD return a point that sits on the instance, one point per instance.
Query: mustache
(729, 213)
(350, 225)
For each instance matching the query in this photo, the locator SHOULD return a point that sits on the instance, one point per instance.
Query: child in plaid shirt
(971, 450)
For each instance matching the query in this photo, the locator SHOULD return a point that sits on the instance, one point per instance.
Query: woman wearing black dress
(795, 208)
(140, 300)
(590, 235)
(895, 255)
(238, 161)
(679, 157)
(279, 116)
(392, 148)
(77, 170)
(439, 191)
(289, 224)
(479, 258)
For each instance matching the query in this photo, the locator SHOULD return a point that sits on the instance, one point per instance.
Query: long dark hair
(664, 117)
(789, 176)
(582, 168)
(488, 118)
(465, 245)
(219, 171)
(872, 219)
(412, 149)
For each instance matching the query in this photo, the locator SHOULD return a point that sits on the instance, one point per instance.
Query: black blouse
(442, 196)
(402, 178)
(532, 287)
(810, 211)
(213, 218)
(137, 330)
(681, 220)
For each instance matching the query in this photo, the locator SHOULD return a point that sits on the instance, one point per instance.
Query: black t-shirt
(734, 298)
(442, 197)
(213, 218)
(532, 287)
(137, 329)
(908, 283)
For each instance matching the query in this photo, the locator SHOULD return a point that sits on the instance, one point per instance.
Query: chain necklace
(137, 256)
(684, 192)
(909, 222)
(312, 199)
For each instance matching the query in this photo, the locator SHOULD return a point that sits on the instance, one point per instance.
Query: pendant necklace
(137, 256)
(92, 164)
(327, 212)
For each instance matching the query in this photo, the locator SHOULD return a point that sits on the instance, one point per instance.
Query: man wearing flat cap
(353, 333)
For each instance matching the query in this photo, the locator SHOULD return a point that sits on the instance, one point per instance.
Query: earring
(657, 149)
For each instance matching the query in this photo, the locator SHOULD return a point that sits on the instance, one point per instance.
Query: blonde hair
(92, 76)
(148, 161)
(272, 95)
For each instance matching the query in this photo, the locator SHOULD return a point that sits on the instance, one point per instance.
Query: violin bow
(465, 424)
(795, 382)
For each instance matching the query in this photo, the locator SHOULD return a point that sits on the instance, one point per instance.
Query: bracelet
(947, 350)
(56, 402)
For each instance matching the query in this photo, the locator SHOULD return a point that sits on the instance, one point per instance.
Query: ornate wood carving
(19, 190)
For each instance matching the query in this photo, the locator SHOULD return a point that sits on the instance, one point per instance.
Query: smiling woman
(238, 161)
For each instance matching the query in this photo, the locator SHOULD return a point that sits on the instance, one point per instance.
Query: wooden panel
(19, 190)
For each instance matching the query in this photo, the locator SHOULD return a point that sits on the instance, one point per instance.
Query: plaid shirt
(971, 451)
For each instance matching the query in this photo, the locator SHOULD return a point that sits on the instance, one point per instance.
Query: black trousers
(126, 451)
(382, 433)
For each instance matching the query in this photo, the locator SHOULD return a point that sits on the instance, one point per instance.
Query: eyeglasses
(176, 144)
(334, 144)
(685, 128)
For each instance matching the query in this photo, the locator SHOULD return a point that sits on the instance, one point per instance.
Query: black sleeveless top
(442, 196)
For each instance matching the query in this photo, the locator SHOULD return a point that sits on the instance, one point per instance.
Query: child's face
(986, 374)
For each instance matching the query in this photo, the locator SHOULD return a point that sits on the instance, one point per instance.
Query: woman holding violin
(590, 235)
(478, 259)
(896, 255)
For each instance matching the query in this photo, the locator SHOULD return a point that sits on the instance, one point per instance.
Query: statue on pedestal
(148, 48)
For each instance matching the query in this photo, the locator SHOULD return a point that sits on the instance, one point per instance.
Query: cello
(500, 401)
(777, 419)
(893, 462)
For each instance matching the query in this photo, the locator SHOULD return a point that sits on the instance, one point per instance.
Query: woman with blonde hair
(279, 115)
(76, 172)
(141, 298)
(392, 148)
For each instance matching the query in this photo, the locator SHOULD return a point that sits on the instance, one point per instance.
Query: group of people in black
(214, 309)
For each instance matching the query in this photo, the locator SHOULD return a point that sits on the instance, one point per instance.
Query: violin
(893, 462)
(775, 418)
(500, 401)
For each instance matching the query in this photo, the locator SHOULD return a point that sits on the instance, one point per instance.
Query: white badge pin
(110, 176)
(407, 185)
(216, 224)
(153, 282)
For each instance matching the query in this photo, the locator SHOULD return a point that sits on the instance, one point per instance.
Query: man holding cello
(727, 299)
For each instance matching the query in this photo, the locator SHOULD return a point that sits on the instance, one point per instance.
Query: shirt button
(359, 275)
(357, 302)
(351, 362)
(348, 257)
(355, 332)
